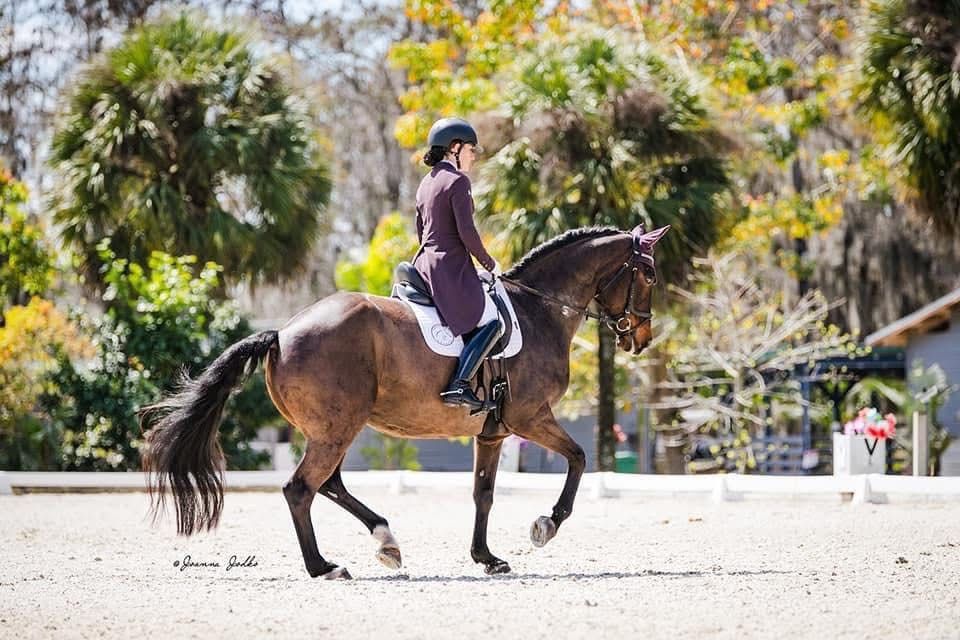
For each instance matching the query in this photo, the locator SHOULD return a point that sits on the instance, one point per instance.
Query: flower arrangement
(870, 423)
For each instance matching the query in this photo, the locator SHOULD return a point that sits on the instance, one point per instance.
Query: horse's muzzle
(633, 344)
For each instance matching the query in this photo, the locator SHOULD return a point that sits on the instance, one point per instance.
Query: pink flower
(869, 423)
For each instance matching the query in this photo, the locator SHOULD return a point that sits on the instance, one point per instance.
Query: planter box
(851, 455)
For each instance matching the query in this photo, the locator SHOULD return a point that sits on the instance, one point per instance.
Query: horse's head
(625, 296)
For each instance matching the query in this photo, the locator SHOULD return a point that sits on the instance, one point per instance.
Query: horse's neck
(573, 274)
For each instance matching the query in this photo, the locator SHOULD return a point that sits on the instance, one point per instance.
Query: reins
(616, 323)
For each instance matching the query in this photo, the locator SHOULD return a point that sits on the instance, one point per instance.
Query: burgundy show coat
(448, 237)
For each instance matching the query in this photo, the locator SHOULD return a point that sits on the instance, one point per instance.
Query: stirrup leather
(459, 391)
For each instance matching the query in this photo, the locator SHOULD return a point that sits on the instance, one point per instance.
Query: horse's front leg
(546, 432)
(486, 459)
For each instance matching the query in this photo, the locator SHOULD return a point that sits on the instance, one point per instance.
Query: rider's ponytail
(434, 156)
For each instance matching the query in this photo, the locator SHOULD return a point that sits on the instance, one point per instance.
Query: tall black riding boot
(459, 391)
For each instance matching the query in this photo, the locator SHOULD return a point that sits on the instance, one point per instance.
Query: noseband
(622, 323)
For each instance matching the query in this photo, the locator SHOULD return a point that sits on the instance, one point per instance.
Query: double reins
(614, 322)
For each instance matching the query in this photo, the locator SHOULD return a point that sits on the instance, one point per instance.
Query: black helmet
(446, 130)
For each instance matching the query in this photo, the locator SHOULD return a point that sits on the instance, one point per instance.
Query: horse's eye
(650, 277)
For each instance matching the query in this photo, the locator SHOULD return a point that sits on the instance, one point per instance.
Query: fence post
(5, 488)
(921, 444)
(643, 459)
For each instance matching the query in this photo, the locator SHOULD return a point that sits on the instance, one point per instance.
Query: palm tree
(910, 83)
(183, 138)
(609, 135)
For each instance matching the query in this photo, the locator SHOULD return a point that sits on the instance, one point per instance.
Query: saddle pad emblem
(442, 335)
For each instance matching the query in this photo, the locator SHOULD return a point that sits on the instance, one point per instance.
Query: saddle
(410, 287)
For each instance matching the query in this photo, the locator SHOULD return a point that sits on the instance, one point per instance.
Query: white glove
(490, 276)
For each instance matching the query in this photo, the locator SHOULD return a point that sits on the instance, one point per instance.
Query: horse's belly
(428, 419)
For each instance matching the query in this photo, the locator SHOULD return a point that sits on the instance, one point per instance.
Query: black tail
(182, 450)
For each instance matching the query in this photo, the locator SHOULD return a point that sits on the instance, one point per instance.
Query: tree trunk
(606, 404)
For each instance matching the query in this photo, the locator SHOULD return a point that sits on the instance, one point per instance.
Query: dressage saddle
(409, 285)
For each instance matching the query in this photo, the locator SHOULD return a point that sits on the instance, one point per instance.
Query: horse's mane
(563, 240)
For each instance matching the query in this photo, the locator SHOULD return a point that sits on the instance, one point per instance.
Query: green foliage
(157, 319)
(616, 137)
(169, 309)
(26, 266)
(392, 242)
(391, 453)
(183, 138)
(910, 84)
(747, 65)
(94, 406)
(452, 73)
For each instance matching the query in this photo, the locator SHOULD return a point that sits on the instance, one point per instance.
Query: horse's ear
(652, 237)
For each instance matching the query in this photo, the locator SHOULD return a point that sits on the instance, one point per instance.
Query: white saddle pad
(444, 343)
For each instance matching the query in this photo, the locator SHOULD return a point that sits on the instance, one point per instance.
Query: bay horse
(355, 359)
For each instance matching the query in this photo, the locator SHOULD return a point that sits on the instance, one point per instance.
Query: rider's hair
(437, 153)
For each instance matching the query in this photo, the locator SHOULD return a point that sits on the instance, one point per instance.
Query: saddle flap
(506, 322)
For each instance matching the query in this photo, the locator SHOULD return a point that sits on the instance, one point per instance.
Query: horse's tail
(182, 450)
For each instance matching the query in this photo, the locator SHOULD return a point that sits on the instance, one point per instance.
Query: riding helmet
(446, 130)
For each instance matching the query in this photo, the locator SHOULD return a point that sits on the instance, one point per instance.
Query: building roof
(933, 315)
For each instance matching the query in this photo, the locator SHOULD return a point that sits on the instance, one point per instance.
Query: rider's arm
(462, 201)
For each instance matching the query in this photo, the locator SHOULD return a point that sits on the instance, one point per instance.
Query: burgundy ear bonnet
(643, 244)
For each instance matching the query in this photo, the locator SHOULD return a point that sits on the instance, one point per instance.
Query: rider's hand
(496, 268)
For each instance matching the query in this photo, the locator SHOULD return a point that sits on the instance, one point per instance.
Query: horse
(355, 359)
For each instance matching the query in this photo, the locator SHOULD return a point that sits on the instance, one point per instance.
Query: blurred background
(177, 175)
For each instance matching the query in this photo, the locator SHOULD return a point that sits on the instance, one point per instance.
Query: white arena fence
(872, 488)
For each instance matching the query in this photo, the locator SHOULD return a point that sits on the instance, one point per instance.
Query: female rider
(448, 237)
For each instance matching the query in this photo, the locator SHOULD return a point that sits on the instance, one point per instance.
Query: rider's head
(452, 139)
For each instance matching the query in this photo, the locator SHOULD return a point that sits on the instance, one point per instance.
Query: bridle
(622, 324)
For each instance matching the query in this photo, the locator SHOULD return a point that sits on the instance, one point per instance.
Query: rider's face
(468, 155)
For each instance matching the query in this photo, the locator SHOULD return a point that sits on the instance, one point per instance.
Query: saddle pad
(444, 343)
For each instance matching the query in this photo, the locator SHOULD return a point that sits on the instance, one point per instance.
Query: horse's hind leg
(389, 551)
(546, 432)
(319, 461)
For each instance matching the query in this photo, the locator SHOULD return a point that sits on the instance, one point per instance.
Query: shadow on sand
(604, 575)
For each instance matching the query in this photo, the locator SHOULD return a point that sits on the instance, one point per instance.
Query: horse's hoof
(497, 567)
(338, 573)
(542, 531)
(389, 557)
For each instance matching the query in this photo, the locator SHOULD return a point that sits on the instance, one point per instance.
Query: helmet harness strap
(456, 155)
